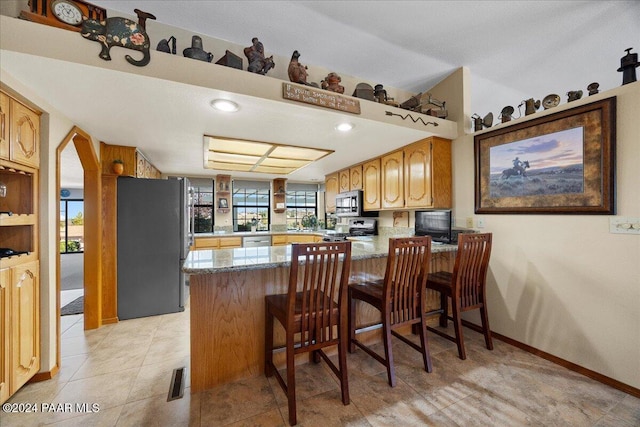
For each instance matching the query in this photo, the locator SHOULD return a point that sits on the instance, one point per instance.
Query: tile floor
(126, 369)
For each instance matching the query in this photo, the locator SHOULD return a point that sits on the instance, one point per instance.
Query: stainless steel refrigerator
(152, 245)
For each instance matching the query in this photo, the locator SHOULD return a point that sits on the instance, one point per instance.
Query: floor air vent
(176, 389)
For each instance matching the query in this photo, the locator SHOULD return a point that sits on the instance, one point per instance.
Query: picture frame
(223, 203)
(561, 163)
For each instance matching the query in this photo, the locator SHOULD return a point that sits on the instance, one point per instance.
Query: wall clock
(67, 14)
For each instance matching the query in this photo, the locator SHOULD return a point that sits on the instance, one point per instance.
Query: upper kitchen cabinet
(19, 132)
(392, 169)
(344, 180)
(416, 177)
(330, 192)
(4, 126)
(372, 200)
(134, 162)
(355, 178)
(427, 166)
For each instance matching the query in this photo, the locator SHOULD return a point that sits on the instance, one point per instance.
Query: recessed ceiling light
(224, 105)
(345, 127)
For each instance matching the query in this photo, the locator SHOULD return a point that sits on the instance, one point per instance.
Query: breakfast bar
(227, 289)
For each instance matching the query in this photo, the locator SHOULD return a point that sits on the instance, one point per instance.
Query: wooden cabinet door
(25, 315)
(344, 181)
(330, 192)
(4, 126)
(417, 175)
(355, 177)
(25, 135)
(371, 185)
(300, 238)
(140, 165)
(5, 285)
(392, 172)
(441, 175)
(206, 243)
(278, 240)
(230, 242)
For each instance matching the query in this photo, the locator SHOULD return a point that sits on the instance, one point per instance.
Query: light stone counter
(206, 261)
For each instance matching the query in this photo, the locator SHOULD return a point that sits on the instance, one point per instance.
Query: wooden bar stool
(310, 314)
(400, 297)
(466, 287)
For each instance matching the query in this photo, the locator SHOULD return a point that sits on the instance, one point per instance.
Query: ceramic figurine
(118, 31)
(257, 61)
(593, 88)
(297, 71)
(196, 51)
(332, 83)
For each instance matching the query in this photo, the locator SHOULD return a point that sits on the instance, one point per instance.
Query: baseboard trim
(562, 362)
(110, 320)
(45, 376)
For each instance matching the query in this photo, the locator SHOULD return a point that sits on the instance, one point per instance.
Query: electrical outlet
(624, 225)
(469, 222)
(480, 222)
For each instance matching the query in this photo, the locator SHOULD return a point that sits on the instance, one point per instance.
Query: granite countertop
(205, 261)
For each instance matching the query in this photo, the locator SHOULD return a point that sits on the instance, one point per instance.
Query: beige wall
(562, 283)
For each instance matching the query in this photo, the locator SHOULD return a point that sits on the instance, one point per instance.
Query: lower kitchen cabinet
(20, 328)
(217, 242)
(287, 239)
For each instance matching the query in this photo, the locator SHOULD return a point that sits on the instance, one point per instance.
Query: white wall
(562, 283)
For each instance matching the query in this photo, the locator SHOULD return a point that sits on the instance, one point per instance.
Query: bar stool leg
(388, 353)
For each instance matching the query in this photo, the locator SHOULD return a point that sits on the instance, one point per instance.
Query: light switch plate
(624, 225)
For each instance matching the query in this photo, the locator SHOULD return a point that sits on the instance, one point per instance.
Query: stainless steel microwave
(350, 204)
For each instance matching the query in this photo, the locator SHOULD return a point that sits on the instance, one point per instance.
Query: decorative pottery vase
(118, 168)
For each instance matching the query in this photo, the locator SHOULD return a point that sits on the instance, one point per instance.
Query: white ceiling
(515, 50)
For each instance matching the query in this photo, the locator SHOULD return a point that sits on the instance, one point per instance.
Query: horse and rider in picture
(518, 169)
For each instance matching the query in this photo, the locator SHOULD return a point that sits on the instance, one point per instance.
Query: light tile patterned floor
(126, 368)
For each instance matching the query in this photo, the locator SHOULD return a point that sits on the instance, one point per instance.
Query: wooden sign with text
(320, 98)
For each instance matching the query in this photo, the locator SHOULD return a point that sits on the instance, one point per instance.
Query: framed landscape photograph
(563, 163)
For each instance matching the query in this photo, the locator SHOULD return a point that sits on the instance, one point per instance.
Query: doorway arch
(93, 229)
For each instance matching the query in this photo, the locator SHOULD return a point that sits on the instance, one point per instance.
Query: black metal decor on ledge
(415, 120)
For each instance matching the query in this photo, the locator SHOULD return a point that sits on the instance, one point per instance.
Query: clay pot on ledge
(118, 167)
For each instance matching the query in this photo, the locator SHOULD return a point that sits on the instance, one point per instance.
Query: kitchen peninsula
(227, 290)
